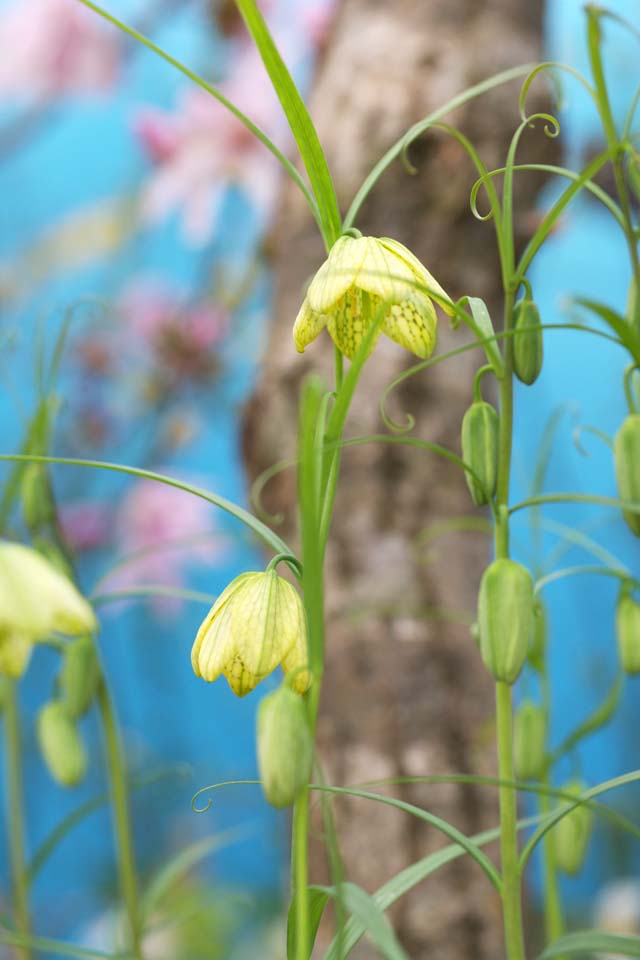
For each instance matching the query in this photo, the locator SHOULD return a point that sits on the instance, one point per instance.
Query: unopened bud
(538, 647)
(505, 617)
(628, 632)
(527, 342)
(480, 429)
(571, 834)
(529, 741)
(285, 746)
(61, 745)
(79, 676)
(626, 449)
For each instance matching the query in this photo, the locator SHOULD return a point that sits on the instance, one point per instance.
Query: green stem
(300, 873)
(613, 140)
(511, 896)
(553, 916)
(121, 817)
(15, 813)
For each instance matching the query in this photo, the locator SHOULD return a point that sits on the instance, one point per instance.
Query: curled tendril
(405, 159)
(576, 436)
(258, 487)
(552, 67)
(473, 198)
(551, 124)
(216, 786)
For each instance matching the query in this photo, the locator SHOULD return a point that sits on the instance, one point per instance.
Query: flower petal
(15, 652)
(350, 319)
(213, 645)
(307, 326)
(336, 274)
(384, 274)
(412, 324)
(433, 288)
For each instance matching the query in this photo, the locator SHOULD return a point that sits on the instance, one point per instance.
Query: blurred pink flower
(86, 524)
(317, 19)
(53, 47)
(202, 148)
(171, 530)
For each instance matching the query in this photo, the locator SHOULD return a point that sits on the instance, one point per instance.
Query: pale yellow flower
(35, 601)
(368, 279)
(256, 623)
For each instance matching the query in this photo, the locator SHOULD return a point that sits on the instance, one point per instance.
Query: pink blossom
(170, 529)
(202, 148)
(53, 47)
(317, 19)
(86, 524)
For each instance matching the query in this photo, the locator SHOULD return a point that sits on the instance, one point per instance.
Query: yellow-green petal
(337, 274)
(307, 326)
(15, 653)
(423, 277)
(412, 324)
(383, 274)
(351, 318)
(212, 647)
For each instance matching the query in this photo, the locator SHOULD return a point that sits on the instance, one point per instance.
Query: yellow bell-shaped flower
(369, 279)
(35, 601)
(256, 623)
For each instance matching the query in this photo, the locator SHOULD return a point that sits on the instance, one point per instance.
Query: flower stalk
(15, 809)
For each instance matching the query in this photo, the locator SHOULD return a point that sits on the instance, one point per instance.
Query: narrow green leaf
(438, 822)
(402, 144)
(57, 947)
(390, 892)
(179, 865)
(592, 941)
(618, 324)
(376, 926)
(249, 124)
(484, 324)
(259, 528)
(318, 899)
(299, 120)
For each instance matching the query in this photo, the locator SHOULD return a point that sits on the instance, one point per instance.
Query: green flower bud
(285, 746)
(35, 493)
(365, 278)
(626, 450)
(256, 623)
(60, 744)
(79, 676)
(628, 632)
(480, 428)
(538, 647)
(527, 342)
(571, 834)
(505, 617)
(529, 741)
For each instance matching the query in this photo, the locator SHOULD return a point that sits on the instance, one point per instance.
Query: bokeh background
(144, 230)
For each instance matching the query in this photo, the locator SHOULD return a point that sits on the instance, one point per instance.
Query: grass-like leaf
(299, 120)
(368, 913)
(57, 947)
(318, 898)
(592, 941)
(258, 527)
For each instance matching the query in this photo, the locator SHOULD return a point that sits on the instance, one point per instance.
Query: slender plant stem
(300, 872)
(511, 894)
(511, 897)
(553, 916)
(121, 817)
(15, 813)
(611, 134)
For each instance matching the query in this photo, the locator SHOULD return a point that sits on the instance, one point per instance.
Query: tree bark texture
(405, 692)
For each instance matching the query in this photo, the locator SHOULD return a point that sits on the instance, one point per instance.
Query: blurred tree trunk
(405, 692)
